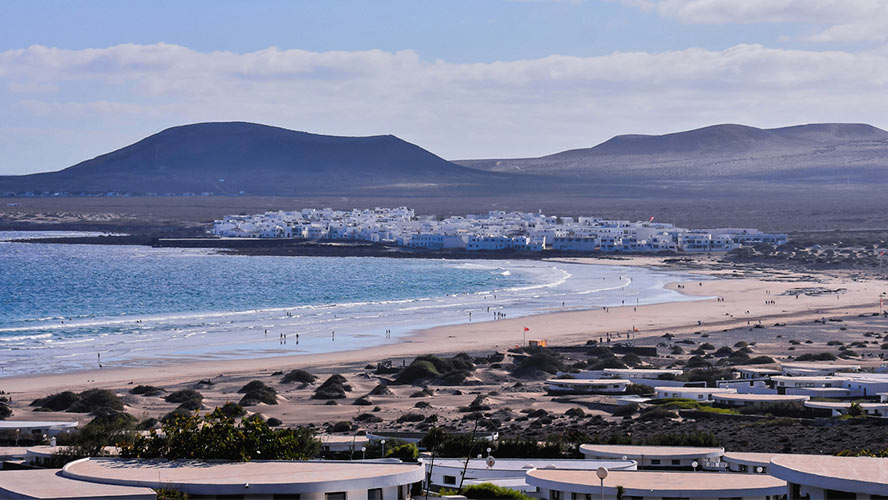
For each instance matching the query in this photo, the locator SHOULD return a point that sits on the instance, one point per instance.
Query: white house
(653, 485)
(657, 457)
(587, 386)
(696, 393)
(446, 472)
(260, 479)
(822, 477)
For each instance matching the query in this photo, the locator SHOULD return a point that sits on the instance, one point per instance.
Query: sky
(461, 78)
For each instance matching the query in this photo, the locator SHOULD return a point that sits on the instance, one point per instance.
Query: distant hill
(817, 153)
(719, 162)
(247, 158)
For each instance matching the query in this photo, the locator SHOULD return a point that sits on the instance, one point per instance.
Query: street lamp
(383, 448)
(694, 464)
(488, 451)
(601, 473)
(363, 452)
(759, 469)
(17, 432)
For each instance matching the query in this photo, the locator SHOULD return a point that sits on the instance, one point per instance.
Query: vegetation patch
(334, 387)
(298, 376)
(433, 369)
(257, 392)
(146, 390)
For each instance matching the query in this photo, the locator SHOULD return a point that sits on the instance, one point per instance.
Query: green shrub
(334, 387)
(300, 376)
(640, 389)
(625, 410)
(94, 400)
(656, 413)
(233, 410)
(429, 368)
(822, 356)
(5, 411)
(56, 402)
(183, 396)
(257, 392)
(539, 361)
(146, 390)
(489, 491)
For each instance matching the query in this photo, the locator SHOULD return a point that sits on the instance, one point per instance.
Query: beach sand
(744, 303)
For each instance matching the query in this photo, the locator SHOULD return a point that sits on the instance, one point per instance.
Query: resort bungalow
(821, 477)
(654, 457)
(36, 427)
(260, 479)
(49, 483)
(837, 408)
(343, 443)
(815, 369)
(587, 386)
(510, 472)
(695, 393)
(750, 463)
(653, 485)
(739, 400)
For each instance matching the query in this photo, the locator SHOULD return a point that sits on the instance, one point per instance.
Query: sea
(68, 307)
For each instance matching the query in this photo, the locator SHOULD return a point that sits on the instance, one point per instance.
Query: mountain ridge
(248, 158)
(725, 150)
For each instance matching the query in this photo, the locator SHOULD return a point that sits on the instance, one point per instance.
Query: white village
(495, 230)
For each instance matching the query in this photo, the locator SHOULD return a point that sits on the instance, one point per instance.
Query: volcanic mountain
(240, 158)
(817, 153)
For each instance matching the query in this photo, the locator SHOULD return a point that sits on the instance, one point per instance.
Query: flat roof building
(821, 477)
(654, 485)
(50, 483)
(587, 386)
(752, 463)
(446, 472)
(737, 400)
(302, 480)
(655, 457)
(695, 393)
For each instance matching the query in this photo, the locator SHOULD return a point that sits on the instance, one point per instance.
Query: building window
(449, 479)
(676, 462)
(374, 494)
(554, 495)
(655, 461)
(286, 496)
(339, 495)
(580, 496)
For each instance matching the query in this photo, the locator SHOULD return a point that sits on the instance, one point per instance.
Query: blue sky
(482, 78)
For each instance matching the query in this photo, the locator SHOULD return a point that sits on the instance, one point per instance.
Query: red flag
(652, 220)
(526, 329)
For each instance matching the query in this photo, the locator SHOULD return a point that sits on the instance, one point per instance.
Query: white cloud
(847, 20)
(506, 108)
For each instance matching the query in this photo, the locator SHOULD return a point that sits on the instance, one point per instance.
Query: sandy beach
(744, 301)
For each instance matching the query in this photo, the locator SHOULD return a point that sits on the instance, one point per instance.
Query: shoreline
(558, 328)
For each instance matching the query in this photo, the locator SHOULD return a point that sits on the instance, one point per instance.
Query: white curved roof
(523, 464)
(849, 474)
(49, 483)
(256, 478)
(697, 390)
(587, 381)
(660, 484)
(636, 452)
(34, 424)
(753, 459)
(760, 397)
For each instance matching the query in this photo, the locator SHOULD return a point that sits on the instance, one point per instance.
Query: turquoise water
(69, 307)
